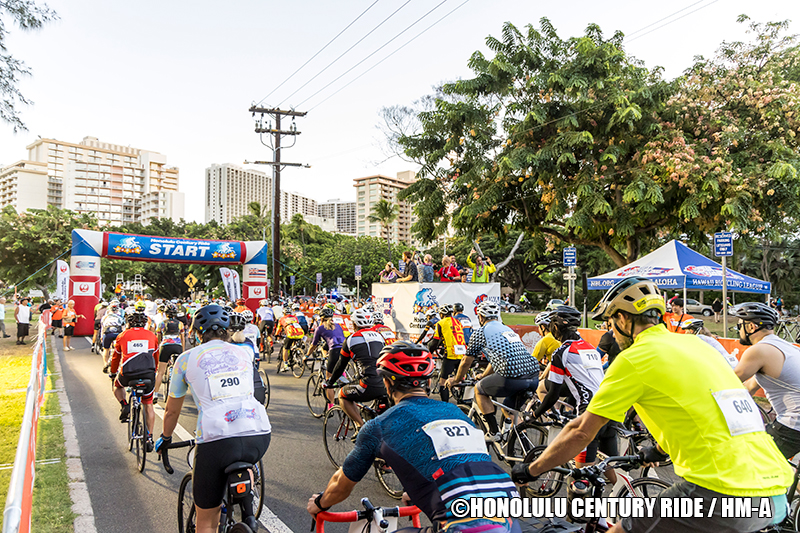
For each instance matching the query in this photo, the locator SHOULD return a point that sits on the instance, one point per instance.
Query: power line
(375, 52)
(671, 21)
(319, 51)
(385, 58)
(665, 18)
(346, 51)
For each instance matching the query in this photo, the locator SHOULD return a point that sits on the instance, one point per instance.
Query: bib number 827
(229, 382)
(456, 431)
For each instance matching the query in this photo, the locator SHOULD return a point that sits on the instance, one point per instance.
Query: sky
(178, 77)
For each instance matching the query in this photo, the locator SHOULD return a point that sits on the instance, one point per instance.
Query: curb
(81, 503)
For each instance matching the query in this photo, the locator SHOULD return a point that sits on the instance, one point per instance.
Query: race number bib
(740, 411)
(138, 346)
(227, 385)
(372, 336)
(511, 336)
(453, 437)
(460, 349)
(338, 320)
(590, 359)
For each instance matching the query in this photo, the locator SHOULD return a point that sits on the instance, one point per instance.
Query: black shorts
(23, 329)
(96, 324)
(267, 326)
(497, 385)
(56, 323)
(605, 441)
(69, 330)
(786, 439)
(168, 350)
(212, 458)
(123, 381)
(333, 357)
(362, 392)
(108, 339)
(288, 343)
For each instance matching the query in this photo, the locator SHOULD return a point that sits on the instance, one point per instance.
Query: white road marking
(268, 519)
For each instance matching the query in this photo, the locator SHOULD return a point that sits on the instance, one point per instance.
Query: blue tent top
(674, 265)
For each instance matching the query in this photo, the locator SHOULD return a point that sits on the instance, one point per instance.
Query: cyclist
(251, 331)
(289, 325)
(240, 307)
(301, 318)
(449, 332)
(277, 310)
(435, 450)
(232, 425)
(431, 317)
(608, 346)
(239, 337)
(677, 319)
(718, 451)
(112, 325)
(99, 312)
(363, 348)
(171, 340)
(466, 321)
(697, 327)
(266, 321)
(773, 364)
(548, 344)
(135, 357)
(388, 335)
(511, 368)
(333, 335)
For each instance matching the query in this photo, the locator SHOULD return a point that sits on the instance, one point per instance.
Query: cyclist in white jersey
(251, 332)
(773, 364)
(266, 320)
(231, 424)
(697, 327)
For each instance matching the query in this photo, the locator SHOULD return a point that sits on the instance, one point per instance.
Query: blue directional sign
(570, 256)
(291, 281)
(319, 277)
(358, 271)
(723, 244)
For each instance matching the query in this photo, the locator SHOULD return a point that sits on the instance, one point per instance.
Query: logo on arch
(63, 268)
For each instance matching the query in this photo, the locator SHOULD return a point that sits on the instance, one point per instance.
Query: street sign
(190, 280)
(723, 244)
(291, 281)
(570, 276)
(358, 272)
(570, 256)
(401, 266)
(319, 277)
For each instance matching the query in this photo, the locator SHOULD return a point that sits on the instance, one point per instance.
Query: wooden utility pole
(276, 166)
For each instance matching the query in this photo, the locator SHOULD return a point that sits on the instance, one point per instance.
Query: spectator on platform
(448, 272)
(426, 269)
(388, 274)
(410, 273)
(461, 270)
(480, 270)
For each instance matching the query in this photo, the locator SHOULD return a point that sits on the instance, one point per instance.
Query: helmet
(137, 320)
(432, 312)
(377, 318)
(330, 306)
(140, 305)
(103, 304)
(248, 316)
(147, 296)
(694, 325)
(544, 318)
(123, 297)
(236, 321)
(162, 308)
(327, 312)
(240, 301)
(565, 316)
(362, 318)
(458, 307)
(114, 302)
(758, 313)
(114, 307)
(488, 309)
(171, 311)
(263, 303)
(446, 310)
(211, 318)
(406, 362)
(296, 307)
(635, 295)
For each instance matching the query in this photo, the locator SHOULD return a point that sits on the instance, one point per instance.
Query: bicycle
(295, 360)
(339, 435)
(372, 519)
(238, 484)
(137, 422)
(315, 392)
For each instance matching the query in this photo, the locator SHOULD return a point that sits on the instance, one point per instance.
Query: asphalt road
(123, 499)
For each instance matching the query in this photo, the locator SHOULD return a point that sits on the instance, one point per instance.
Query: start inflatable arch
(88, 247)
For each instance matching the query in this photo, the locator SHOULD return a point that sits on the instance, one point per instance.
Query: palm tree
(385, 213)
(261, 213)
(302, 228)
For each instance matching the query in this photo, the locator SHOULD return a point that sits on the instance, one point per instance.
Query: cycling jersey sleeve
(359, 461)
(437, 333)
(619, 390)
(317, 337)
(117, 357)
(477, 342)
(178, 386)
(556, 374)
(341, 364)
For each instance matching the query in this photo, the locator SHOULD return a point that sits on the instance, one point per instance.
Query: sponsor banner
(256, 291)
(404, 304)
(84, 288)
(237, 287)
(227, 281)
(84, 265)
(172, 250)
(62, 280)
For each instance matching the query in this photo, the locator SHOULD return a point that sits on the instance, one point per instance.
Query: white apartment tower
(343, 213)
(373, 188)
(117, 184)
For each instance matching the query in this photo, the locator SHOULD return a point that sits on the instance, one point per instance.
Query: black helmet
(566, 317)
(172, 311)
(137, 319)
(236, 321)
(458, 307)
(758, 313)
(446, 310)
(694, 325)
(327, 312)
(211, 318)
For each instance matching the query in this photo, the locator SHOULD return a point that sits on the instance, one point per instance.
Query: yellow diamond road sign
(190, 280)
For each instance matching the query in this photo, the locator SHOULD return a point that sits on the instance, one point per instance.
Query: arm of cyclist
(549, 400)
(116, 357)
(760, 357)
(337, 491)
(461, 373)
(315, 341)
(488, 371)
(341, 364)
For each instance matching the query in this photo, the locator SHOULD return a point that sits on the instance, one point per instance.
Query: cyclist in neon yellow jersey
(697, 410)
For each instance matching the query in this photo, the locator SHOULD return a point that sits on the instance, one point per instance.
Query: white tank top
(784, 393)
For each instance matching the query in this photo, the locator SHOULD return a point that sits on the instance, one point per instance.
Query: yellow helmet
(635, 295)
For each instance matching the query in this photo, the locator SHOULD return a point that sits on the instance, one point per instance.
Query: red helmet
(405, 361)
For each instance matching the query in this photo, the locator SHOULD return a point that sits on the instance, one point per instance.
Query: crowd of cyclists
(663, 368)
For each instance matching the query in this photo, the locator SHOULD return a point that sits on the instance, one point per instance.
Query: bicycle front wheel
(339, 433)
(524, 437)
(141, 439)
(315, 395)
(299, 367)
(186, 521)
(265, 381)
(548, 483)
(388, 479)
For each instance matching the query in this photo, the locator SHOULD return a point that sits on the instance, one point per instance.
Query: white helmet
(263, 303)
(296, 307)
(248, 315)
(488, 309)
(362, 318)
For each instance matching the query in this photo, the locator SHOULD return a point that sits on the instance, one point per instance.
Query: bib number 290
(227, 385)
(229, 382)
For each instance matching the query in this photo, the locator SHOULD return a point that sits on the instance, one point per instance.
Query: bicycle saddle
(141, 384)
(238, 465)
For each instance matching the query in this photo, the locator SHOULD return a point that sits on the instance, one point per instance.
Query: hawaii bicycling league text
(607, 507)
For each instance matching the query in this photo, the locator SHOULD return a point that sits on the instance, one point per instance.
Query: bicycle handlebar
(354, 516)
(165, 454)
(588, 472)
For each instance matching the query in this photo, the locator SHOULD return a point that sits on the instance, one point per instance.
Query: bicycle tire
(239, 528)
(130, 427)
(524, 437)
(388, 480)
(546, 485)
(315, 395)
(338, 435)
(299, 367)
(434, 382)
(795, 515)
(141, 439)
(265, 381)
(657, 486)
(186, 505)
